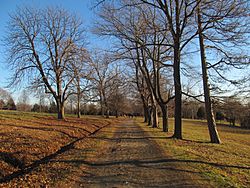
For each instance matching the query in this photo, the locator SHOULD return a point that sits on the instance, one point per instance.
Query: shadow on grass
(11, 160)
(27, 169)
(34, 165)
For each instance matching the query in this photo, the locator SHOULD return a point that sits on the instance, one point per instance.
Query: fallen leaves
(30, 138)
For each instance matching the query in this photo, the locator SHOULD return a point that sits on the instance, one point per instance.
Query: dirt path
(129, 158)
(119, 155)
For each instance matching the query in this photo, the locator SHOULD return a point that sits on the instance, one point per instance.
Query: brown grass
(29, 140)
(34, 145)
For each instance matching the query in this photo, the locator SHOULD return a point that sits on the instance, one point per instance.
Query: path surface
(128, 157)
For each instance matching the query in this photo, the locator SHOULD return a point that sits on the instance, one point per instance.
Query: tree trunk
(150, 115)
(102, 109)
(102, 106)
(164, 117)
(60, 110)
(71, 107)
(178, 92)
(155, 117)
(145, 108)
(78, 107)
(107, 113)
(40, 105)
(116, 113)
(214, 136)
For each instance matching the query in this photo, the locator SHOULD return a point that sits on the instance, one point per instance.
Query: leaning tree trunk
(214, 136)
(164, 117)
(154, 112)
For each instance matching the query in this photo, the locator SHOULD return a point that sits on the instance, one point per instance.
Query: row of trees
(46, 48)
(154, 40)
(158, 36)
(231, 110)
(46, 104)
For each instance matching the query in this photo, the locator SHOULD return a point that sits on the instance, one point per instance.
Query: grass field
(227, 164)
(31, 139)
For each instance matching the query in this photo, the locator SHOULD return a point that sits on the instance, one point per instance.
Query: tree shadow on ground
(11, 160)
(171, 166)
(148, 162)
(29, 168)
(166, 164)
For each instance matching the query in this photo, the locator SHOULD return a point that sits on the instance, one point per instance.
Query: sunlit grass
(27, 138)
(227, 164)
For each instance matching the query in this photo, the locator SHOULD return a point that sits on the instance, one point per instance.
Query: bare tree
(116, 94)
(4, 95)
(142, 40)
(23, 101)
(179, 16)
(6, 100)
(144, 93)
(208, 104)
(41, 95)
(225, 19)
(40, 45)
(102, 77)
(81, 72)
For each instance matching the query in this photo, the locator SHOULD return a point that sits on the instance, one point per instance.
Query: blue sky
(81, 8)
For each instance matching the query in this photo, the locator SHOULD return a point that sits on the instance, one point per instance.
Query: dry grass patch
(29, 141)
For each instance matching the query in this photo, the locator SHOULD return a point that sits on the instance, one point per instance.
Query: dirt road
(128, 157)
(119, 155)
(40, 151)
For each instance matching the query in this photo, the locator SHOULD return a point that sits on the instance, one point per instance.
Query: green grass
(226, 164)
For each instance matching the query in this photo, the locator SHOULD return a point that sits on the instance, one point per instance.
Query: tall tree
(7, 101)
(141, 39)
(178, 16)
(81, 72)
(102, 76)
(116, 94)
(225, 19)
(214, 137)
(41, 43)
(143, 92)
(23, 101)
